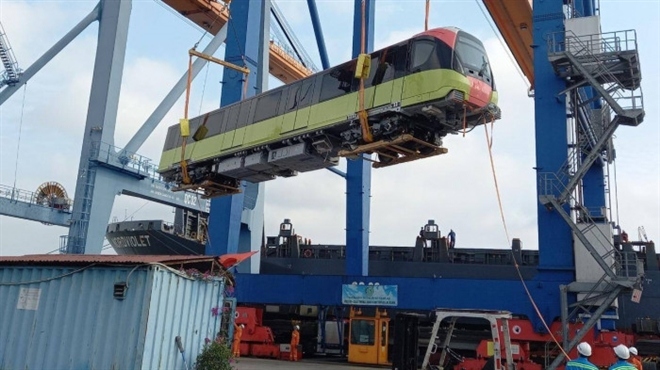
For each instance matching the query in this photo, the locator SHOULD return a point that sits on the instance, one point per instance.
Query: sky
(455, 189)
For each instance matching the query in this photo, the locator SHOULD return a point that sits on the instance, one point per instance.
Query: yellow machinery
(369, 338)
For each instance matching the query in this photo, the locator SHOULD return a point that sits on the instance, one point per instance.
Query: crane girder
(211, 16)
(514, 20)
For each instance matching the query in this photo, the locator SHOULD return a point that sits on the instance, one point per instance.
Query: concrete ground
(245, 363)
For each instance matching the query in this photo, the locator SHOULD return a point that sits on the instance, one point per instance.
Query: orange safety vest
(637, 363)
(238, 333)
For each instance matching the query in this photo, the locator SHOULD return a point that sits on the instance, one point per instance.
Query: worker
(295, 339)
(634, 358)
(452, 238)
(421, 235)
(582, 362)
(622, 354)
(624, 237)
(236, 344)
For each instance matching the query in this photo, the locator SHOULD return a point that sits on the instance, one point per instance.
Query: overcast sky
(455, 189)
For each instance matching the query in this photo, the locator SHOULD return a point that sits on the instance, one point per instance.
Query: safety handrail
(137, 163)
(26, 196)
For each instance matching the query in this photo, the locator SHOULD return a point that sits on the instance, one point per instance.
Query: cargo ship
(433, 255)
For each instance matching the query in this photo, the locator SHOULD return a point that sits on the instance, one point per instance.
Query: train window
(171, 138)
(377, 68)
(399, 58)
(300, 95)
(194, 124)
(306, 93)
(472, 55)
(363, 332)
(338, 81)
(457, 65)
(444, 54)
(214, 122)
(243, 114)
(390, 64)
(292, 97)
(267, 106)
(232, 118)
(422, 52)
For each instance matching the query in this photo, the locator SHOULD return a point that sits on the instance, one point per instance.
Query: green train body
(424, 87)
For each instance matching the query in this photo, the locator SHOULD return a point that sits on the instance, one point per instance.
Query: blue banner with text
(369, 295)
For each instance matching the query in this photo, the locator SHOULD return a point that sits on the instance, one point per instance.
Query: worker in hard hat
(582, 362)
(634, 358)
(295, 339)
(236, 344)
(622, 354)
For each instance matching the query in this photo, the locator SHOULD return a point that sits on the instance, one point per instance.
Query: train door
(388, 68)
(290, 106)
(422, 57)
(304, 100)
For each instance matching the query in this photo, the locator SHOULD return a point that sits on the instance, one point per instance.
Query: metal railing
(286, 53)
(131, 162)
(26, 196)
(625, 264)
(609, 42)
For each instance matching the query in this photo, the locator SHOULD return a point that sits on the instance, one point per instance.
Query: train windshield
(472, 56)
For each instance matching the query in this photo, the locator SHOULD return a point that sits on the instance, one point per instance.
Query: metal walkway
(23, 204)
(147, 184)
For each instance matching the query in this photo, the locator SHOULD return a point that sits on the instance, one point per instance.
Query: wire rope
(20, 130)
(489, 143)
(426, 15)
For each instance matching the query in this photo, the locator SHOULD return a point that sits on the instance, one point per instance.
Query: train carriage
(417, 91)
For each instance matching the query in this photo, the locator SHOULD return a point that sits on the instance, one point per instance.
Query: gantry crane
(212, 16)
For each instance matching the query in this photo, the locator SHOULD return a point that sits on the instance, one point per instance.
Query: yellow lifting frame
(184, 122)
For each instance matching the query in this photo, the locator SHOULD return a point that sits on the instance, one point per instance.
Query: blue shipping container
(67, 317)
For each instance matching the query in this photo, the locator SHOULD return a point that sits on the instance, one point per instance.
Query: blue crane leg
(358, 176)
(245, 45)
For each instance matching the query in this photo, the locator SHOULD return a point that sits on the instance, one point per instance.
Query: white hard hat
(242, 326)
(622, 352)
(297, 327)
(584, 349)
(633, 351)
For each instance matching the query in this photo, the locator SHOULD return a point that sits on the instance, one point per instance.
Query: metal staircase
(603, 75)
(609, 64)
(12, 73)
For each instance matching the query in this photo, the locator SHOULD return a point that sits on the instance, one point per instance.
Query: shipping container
(107, 312)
